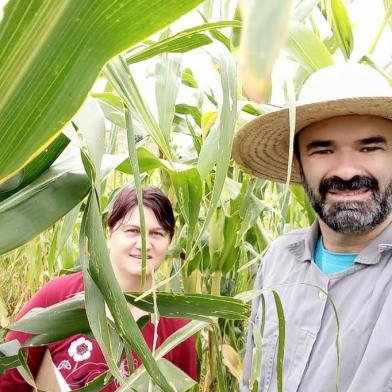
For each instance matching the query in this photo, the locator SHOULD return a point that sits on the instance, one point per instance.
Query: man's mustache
(354, 183)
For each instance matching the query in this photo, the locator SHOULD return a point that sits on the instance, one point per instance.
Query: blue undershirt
(331, 262)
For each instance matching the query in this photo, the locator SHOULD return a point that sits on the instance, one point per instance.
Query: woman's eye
(157, 234)
(132, 231)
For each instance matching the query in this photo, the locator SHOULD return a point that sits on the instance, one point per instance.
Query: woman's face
(125, 244)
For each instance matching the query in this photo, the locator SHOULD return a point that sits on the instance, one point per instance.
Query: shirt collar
(372, 253)
(303, 250)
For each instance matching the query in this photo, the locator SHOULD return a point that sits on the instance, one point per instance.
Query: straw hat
(261, 146)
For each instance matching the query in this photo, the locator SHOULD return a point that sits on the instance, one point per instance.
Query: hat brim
(262, 145)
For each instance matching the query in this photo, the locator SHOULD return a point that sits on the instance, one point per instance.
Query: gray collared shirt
(363, 300)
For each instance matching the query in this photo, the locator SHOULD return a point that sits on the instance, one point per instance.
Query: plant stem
(216, 278)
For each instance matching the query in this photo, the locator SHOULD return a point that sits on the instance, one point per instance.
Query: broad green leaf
(67, 226)
(95, 302)
(181, 42)
(147, 161)
(8, 362)
(307, 49)
(12, 354)
(179, 381)
(55, 81)
(216, 240)
(120, 77)
(233, 361)
(207, 121)
(167, 81)
(281, 341)
(230, 254)
(172, 341)
(9, 355)
(197, 306)
(220, 37)
(226, 125)
(35, 168)
(263, 35)
(91, 124)
(236, 34)
(138, 186)
(194, 306)
(340, 25)
(95, 385)
(194, 111)
(41, 203)
(174, 44)
(112, 107)
(209, 152)
(388, 10)
(188, 79)
(257, 354)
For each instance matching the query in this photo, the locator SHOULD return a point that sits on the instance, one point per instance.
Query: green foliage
(166, 129)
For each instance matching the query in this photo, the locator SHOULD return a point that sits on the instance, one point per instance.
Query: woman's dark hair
(153, 198)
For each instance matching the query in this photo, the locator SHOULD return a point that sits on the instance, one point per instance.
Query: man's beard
(351, 217)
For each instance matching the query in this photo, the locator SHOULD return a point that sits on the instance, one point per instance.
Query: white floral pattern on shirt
(80, 349)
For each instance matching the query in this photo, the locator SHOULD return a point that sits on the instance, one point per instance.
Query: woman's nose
(139, 242)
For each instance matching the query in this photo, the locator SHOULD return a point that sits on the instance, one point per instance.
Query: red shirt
(79, 358)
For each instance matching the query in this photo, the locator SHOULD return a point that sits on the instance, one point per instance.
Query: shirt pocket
(299, 359)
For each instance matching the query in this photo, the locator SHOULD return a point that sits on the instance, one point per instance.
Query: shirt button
(322, 295)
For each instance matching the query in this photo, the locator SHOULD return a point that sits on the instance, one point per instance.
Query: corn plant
(62, 163)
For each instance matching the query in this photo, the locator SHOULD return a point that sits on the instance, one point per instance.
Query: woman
(78, 359)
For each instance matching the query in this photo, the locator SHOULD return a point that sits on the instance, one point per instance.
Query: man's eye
(321, 152)
(370, 148)
(157, 233)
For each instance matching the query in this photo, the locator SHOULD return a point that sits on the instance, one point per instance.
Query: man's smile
(348, 195)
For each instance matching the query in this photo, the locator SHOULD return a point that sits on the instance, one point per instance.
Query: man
(334, 279)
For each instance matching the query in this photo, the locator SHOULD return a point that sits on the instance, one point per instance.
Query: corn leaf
(172, 341)
(194, 306)
(281, 341)
(179, 381)
(307, 49)
(42, 87)
(341, 26)
(123, 82)
(167, 81)
(264, 33)
(181, 42)
(227, 120)
(41, 203)
(35, 168)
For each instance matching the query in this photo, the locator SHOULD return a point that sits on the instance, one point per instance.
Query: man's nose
(346, 166)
